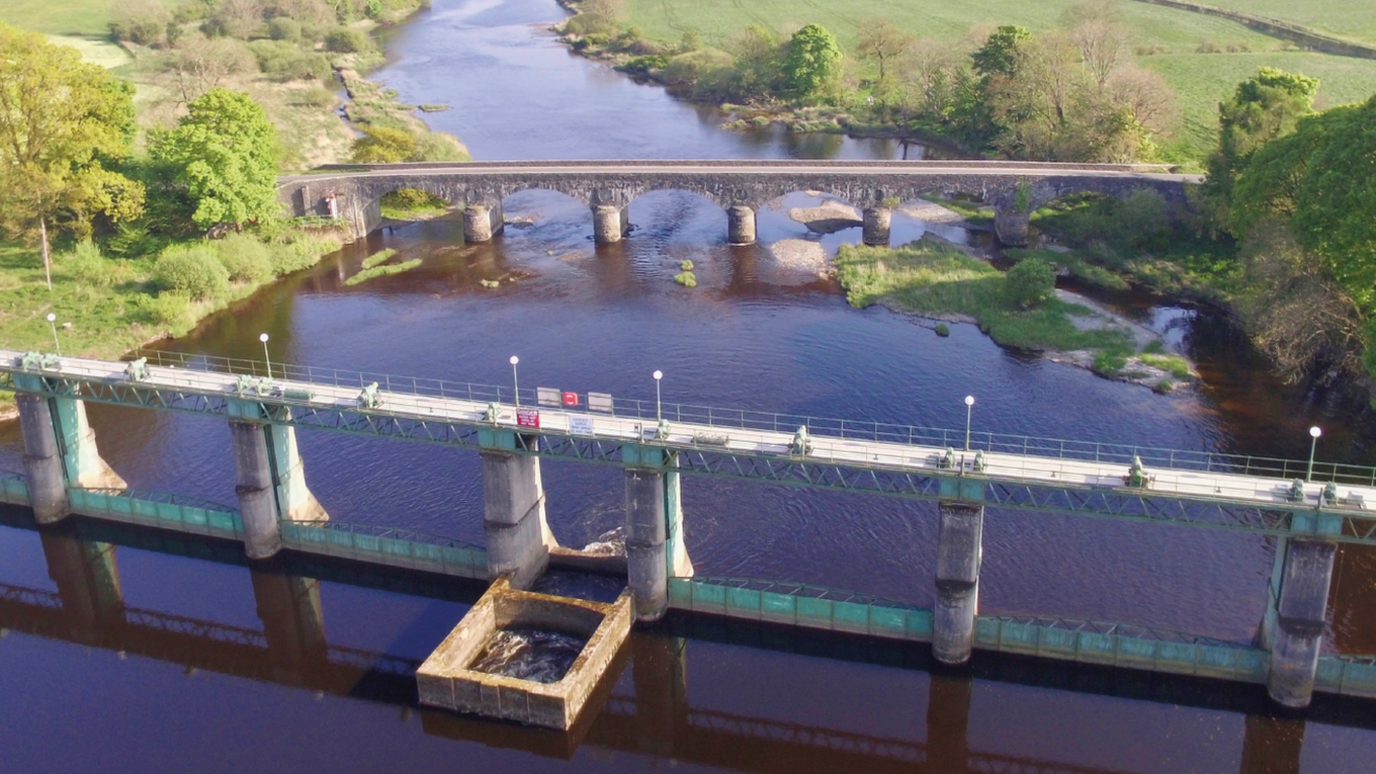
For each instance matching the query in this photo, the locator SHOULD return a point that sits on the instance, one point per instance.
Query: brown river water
(209, 668)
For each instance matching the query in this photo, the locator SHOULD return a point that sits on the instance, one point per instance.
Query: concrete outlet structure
(445, 681)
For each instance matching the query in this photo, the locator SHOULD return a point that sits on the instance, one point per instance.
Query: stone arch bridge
(353, 193)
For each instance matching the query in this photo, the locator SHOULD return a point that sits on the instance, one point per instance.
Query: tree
(813, 62)
(61, 122)
(999, 54)
(1264, 107)
(225, 154)
(883, 43)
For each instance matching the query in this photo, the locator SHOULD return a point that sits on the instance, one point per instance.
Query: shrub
(686, 279)
(641, 65)
(170, 310)
(284, 28)
(245, 258)
(302, 252)
(86, 267)
(1143, 221)
(689, 67)
(685, 265)
(191, 269)
(284, 61)
(345, 40)
(317, 97)
(1029, 283)
(942, 330)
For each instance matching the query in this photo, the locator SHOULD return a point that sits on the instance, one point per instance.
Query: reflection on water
(773, 706)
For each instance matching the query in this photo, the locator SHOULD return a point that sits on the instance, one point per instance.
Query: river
(756, 332)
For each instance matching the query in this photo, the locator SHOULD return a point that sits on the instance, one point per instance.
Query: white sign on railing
(580, 425)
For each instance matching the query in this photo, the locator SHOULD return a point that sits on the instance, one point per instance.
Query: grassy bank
(105, 307)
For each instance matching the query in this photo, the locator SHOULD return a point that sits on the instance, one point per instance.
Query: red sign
(526, 417)
(570, 399)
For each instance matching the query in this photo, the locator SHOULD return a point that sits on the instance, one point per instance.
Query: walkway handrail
(1152, 457)
(1114, 628)
(793, 589)
(170, 498)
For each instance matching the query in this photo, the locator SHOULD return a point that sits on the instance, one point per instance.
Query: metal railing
(389, 533)
(1112, 629)
(791, 589)
(818, 426)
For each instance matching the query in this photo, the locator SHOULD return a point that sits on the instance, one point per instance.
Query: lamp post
(52, 323)
(267, 359)
(515, 384)
(659, 413)
(1314, 433)
(969, 407)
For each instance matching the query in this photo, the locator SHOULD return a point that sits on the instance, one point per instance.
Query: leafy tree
(225, 154)
(813, 62)
(1264, 107)
(383, 145)
(1030, 283)
(999, 54)
(61, 122)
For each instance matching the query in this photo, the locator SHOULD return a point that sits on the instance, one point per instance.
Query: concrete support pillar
(1272, 745)
(293, 622)
(740, 225)
(957, 581)
(647, 556)
(1011, 226)
(518, 537)
(87, 579)
(877, 222)
(257, 497)
(80, 455)
(948, 721)
(655, 547)
(1300, 622)
(609, 223)
(42, 462)
(481, 222)
(294, 499)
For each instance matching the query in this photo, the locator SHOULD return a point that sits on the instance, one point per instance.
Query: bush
(345, 40)
(284, 61)
(641, 65)
(191, 269)
(302, 252)
(245, 258)
(168, 310)
(86, 267)
(317, 97)
(1143, 221)
(1029, 283)
(284, 28)
(689, 67)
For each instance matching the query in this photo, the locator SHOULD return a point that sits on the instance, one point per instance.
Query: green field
(1201, 80)
(1355, 19)
(62, 17)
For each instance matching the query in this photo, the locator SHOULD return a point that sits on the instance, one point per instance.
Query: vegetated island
(1018, 309)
